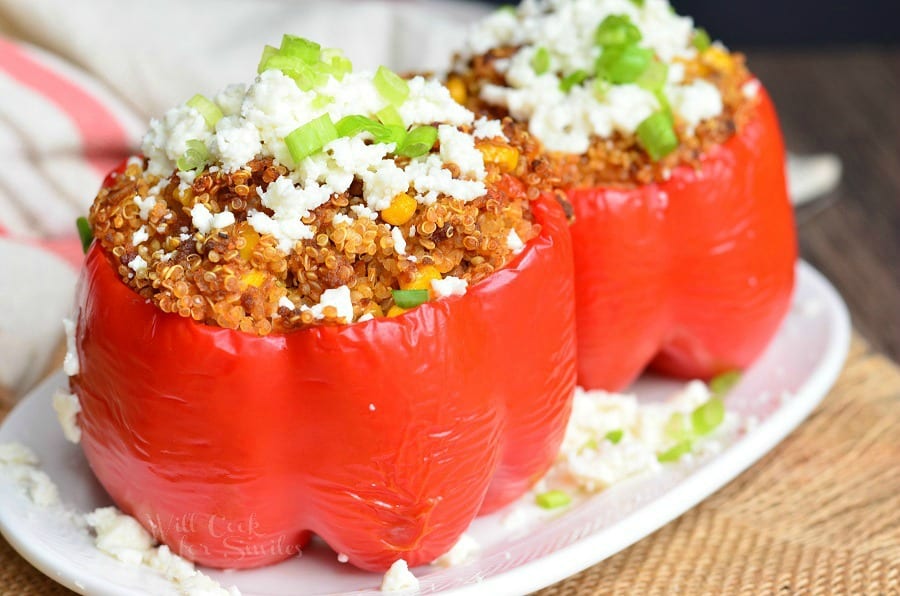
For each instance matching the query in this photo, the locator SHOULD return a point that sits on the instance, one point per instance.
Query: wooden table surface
(847, 101)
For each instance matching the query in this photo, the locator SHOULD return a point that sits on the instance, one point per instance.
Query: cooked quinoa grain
(516, 64)
(278, 244)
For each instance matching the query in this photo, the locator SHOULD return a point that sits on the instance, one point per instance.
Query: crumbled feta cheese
(488, 129)
(366, 317)
(71, 365)
(399, 579)
(751, 88)
(236, 142)
(340, 218)
(339, 298)
(449, 286)
(205, 221)
(167, 139)
(285, 302)
(231, 98)
(428, 103)
(17, 454)
(464, 550)
(137, 264)
(696, 102)
(514, 243)
(363, 211)
(399, 241)
(19, 463)
(459, 148)
(430, 180)
(140, 236)
(119, 536)
(145, 205)
(67, 408)
(134, 160)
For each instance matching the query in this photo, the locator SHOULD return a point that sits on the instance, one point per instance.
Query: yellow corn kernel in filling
(250, 239)
(422, 278)
(506, 157)
(400, 211)
(253, 278)
(457, 88)
(396, 311)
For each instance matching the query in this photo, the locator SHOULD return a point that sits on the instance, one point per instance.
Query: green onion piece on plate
(552, 499)
(410, 298)
(299, 47)
(654, 78)
(320, 101)
(614, 436)
(675, 453)
(569, 81)
(310, 138)
(268, 52)
(391, 86)
(677, 427)
(389, 116)
(616, 30)
(657, 135)
(84, 232)
(540, 62)
(208, 109)
(701, 40)
(194, 157)
(707, 417)
(418, 141)
(721, 384)
(623, 64)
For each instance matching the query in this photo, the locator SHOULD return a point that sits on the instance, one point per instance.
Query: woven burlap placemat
(820, 514)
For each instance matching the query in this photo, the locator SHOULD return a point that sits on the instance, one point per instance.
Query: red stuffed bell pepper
(385, 437)
(683, 238)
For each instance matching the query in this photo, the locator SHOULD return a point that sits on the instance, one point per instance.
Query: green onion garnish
(569, 81)
(84, 232)
(623, 64)
(654, 78)
(725, 382)
(540, 62)
(321, 101)
(638, 3)
(418, 141)
(590, 444)
(391, 86)
(194, 157)
(336, 63)
(268, 52)
(657, 135)
(616, 30)
(410, 298)
(601, 88)
(389, 116)
(552, 499)
(614, 436)
(677, 427)
(299, 47)
(309, 139)
(350, 126)
(508, 8)
(209, 110)
(701, 40)
(707, 417)
(675, 453)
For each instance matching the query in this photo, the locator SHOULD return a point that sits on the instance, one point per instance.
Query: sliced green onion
(194, 157)
(601, 88)
(336, 63)
(389, 116)
(553, 499)
(84, 232)
(616, 30)
(575, 78)
(410, 298)
(268, 52)
(509, 8)
(657, 135)
(309, 139)
(391, 86)
(677, 427)
(675, 453)
(350, 126)
(540, 62)
(614, 436)
(418, 141)
(321, 101)
(638, 3)
(209, 110)
(707, 417)
(590, 444)
(392, 134)
(299, 47)
(654, 78)
(623, 64)
(701, 40)
(725, 382)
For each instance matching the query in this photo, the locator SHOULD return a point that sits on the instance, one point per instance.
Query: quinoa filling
(619, 92)
(292, 203)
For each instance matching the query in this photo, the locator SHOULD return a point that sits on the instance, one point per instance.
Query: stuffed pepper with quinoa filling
(684, 239)
(328, 302)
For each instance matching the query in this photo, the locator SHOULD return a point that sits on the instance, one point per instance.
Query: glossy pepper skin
(691, 276)
(386, 437)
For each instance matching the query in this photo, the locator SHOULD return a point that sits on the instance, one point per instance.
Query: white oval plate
(780, 390)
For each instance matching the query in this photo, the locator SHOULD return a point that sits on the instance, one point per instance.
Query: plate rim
(596, 546)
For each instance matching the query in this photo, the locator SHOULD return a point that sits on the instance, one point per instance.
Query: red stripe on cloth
(104, 140)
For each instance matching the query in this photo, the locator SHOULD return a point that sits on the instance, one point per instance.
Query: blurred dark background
(833, 69)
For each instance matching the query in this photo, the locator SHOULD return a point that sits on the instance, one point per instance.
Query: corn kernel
(254, 278)
(400, 211)
(422, 278)
(457, 88)
(251, 238)
(396, 311)
(504, 156)
(718, 59)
